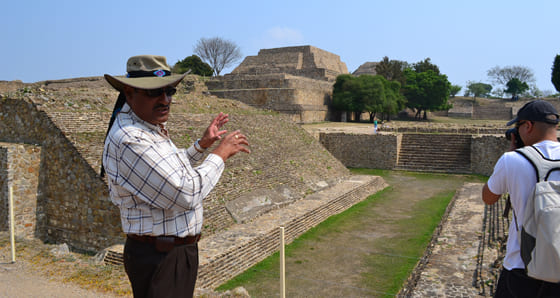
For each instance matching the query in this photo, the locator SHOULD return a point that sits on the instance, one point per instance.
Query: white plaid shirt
(153, 183)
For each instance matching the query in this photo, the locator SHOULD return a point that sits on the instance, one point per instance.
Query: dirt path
(17, 281)
(336, 265)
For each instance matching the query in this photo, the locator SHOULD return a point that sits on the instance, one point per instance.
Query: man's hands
(230, 145)
(213, 132)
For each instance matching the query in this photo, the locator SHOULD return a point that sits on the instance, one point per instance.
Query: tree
(367, 93)
(426, 65)
(344, 91)
(454, 89)
(394, 100)
(515, 87)
(556, 73)
(193, 63)
(426, 91)
(392, 70)
(477, 89)
(502, 76)
(217, 52)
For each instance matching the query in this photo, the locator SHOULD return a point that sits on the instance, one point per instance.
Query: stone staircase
(493, 111)
(446, 153)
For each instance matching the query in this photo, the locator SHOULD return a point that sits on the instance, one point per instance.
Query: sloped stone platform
(227, 254)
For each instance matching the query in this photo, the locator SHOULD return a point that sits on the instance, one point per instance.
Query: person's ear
(530, 126)
(128, 92)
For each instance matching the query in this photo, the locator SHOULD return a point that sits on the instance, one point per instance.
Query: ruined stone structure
(447, 153)
(366, 68)
(19, 169)
(294, 80)
(51, 158)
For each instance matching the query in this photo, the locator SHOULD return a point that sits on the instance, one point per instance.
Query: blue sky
(56, 39)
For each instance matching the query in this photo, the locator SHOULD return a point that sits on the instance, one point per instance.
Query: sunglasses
(518, 124)
(169, 91)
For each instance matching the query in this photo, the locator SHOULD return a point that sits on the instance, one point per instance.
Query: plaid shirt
(153, 183)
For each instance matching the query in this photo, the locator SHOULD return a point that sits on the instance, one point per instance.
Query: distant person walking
(158, 191)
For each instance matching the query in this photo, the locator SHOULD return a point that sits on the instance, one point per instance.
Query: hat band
(141, 73)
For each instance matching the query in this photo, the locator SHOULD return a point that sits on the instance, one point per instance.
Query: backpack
(540, 230)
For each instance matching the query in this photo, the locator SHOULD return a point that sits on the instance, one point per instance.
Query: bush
(195, 64)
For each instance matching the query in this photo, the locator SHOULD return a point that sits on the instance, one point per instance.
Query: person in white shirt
(536, 123)
(158, 191)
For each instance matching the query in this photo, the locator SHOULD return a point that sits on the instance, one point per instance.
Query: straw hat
(145, 72)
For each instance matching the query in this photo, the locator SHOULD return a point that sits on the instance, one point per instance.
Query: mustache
(162, 106)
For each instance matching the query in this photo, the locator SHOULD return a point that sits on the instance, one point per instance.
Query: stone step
(454, 170)
(435, 153)
(433, 163)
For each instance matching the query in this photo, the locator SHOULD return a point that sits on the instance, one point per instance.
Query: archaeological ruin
(293, 80)
(52, 132)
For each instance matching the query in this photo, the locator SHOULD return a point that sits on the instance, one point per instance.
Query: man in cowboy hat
(157, 190)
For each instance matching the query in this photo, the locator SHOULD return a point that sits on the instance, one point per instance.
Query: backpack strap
(543, 166)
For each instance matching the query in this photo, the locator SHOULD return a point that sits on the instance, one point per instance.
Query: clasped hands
(230, 144)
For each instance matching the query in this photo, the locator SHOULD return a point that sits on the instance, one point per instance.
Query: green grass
(272, 263)
(396, 257)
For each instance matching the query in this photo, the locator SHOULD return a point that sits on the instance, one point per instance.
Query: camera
(518, 141)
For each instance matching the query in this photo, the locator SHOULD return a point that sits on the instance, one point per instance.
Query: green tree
(477, 89)
(426, 65)
(344, 91)
(515, 87)
(367, 93)
(193, 63)
(454, 89)
(392, 70)
(372, 94)
(426, 91)
(556, 73)
(394, 100)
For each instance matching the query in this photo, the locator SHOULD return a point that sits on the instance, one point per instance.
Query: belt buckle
(165, 243)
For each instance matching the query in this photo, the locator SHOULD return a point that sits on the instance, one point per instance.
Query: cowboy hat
(145, 72)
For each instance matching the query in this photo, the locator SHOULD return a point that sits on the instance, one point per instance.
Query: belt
(174, 239)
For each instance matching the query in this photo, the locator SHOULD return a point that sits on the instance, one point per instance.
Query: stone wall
(4, 183)
(73, 204)
(381, 151)
(485, 152)
(305, 100)
(378, 151)
(19, 168)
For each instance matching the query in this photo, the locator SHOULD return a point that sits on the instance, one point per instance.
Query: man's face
(150, 105)
(524, 128)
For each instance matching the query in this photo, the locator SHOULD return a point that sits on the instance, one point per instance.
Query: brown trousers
(159, 274)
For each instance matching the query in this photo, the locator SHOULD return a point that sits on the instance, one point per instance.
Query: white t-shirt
(515, 175)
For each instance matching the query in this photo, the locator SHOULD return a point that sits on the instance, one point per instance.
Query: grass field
(368, 250)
